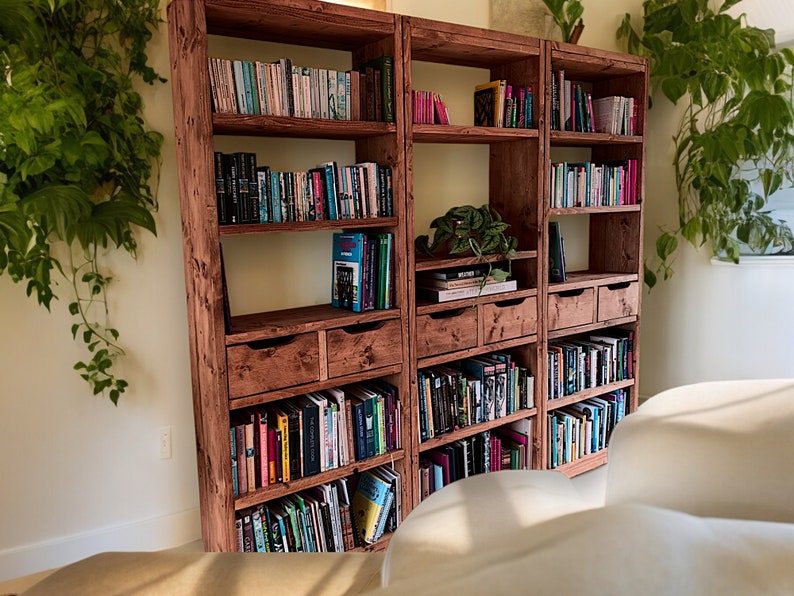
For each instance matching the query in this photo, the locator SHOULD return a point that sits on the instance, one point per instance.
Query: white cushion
(718, 449)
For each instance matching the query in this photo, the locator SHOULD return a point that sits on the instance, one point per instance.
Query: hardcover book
(347, 271)
(437, 295)
(556, 254)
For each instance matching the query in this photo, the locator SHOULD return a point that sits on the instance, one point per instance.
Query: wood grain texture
(618, 300)
(509, 319)
(266, 365)
(571, 308)
(193, 128)
(352, 349)
(446, 331)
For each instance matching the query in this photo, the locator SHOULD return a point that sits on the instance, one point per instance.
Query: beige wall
(81, 476)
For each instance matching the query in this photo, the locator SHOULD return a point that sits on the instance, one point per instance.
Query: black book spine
(253, 187)
(232, 190)
(220, 188)
(243, 178)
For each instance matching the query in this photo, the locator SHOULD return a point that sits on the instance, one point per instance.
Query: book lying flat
(469, 292)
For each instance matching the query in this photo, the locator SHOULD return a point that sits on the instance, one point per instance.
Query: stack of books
(458, 283)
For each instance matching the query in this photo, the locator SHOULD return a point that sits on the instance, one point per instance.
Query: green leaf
(666, 244)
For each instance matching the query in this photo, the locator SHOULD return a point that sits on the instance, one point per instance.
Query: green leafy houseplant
(76, 158)
(734, 143)
(479, 231)
(567, 16)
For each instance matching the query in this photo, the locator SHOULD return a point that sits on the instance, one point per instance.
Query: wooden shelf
(436, 133)
(566, 138)
(586, 279)
(307, 226)
(584, 464)
(424, 263)
(302, 128)
(306, 23)
(282, 489)
(595, 210)
(567, 400)
(476, 351)
(475, 429)
(425, 308)
(280, 323)
(295, 390)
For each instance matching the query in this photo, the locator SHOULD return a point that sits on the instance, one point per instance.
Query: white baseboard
(158, 533)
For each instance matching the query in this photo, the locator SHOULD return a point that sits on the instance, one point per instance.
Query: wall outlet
(165, 442)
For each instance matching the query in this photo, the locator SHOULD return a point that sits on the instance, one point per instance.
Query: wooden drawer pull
(619, 286)
(362, 327)
(509, 303)
(264, 344)
(571, 293)
(447, 314)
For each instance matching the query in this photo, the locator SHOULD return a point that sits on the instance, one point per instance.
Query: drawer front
(447, 331)
(272, 364)
(510, 319)
(362, 347)
(569, 309)
(618, 300)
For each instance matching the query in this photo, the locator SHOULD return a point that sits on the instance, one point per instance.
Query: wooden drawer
(618, 300)
(571, 308)
(271, 364)
(447, 331)
(509, 319)
(362, 347)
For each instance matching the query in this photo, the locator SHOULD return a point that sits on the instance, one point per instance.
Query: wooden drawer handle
(362, 327)
(508, 303)
(274, 342)
(619, 286)
(571, 293)
(447, 314)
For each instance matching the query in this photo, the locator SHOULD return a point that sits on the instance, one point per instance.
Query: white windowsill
(756, 261)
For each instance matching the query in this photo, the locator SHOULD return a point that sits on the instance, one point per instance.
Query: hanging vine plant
(76, 158)
(734, 145)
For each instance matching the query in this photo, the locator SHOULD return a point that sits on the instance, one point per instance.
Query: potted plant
(76, 158)
(735, 139)
(469, 230)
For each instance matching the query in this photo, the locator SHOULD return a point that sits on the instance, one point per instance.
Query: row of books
(583, 428)
(281, 88)
(498, 103)
(471, 391)
(429, 108)
(589, 184)
(458, 283)
(362, 271)
(578, 364)
(248, 193)
(503, 448)
(313, 433)
(573, 108)
(324, 518)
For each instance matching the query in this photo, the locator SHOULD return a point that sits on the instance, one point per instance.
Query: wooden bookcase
(278, 353)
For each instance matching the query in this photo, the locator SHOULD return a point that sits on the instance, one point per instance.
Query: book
(453, 273)
(384, 66)
(347, 271)
(437, 295)
(487, 102)
(556, 263)
(451, 284)
(369, 499)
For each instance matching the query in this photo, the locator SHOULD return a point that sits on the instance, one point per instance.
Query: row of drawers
(585, 306)
(268, 365)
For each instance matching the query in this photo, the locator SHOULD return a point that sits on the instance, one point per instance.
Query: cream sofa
(698, 499)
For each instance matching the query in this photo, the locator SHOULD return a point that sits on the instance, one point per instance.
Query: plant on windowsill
(736, 134)
(76, 158)
(469, 230)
